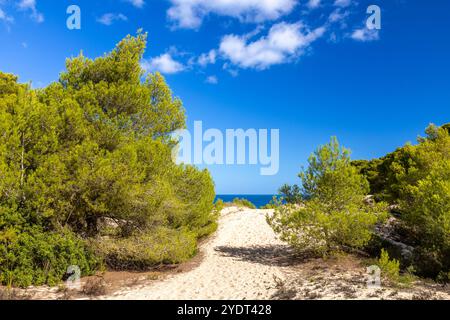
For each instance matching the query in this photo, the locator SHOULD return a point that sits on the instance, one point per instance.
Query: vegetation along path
(244, 260)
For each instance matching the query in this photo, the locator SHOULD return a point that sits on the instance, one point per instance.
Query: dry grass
(13, 294)
(95, 286)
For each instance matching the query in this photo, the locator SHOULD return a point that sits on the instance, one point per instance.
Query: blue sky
(308, 68)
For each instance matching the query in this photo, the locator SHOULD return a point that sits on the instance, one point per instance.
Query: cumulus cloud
(283, 43)
(338, 16)
(212, 80)
(109, 18)
(164, 64)
(137, 3)
(30, 5)
(312, 4)
(365, 35)
(342, 3)
(4, 17)
(190, 13)
(207, 58)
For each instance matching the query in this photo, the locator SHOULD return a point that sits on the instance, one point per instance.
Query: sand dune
(242, 261)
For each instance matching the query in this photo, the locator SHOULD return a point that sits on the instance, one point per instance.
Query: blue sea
(258, 200)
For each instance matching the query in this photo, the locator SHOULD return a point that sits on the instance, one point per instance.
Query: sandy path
(242, 261)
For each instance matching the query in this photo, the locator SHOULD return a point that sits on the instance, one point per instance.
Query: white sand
(234, 264)
(244, 260)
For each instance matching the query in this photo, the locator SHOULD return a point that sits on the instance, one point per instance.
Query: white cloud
(164, 64)
(283, 43)
(312, 4)
(27, 4)
(212, 80)
(207, 58)
(30, 5)
(137, 3)
(232, 71)
(338, 16)
(109, 18)
(365, 35)
(342, 3)
(4, 17)
(190, 13)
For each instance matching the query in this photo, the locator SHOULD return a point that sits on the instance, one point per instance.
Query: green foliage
(389, 176)
(291, 194)
(418, 179)
(146, 250)
(313, 228)
(274, 203)
(38, 257)
(446, 127)
(390, 269)
(331, 179)
(97, 145)
(335, 216)
(219, 205)
(243, 203)
(194, 191)
(426, 208)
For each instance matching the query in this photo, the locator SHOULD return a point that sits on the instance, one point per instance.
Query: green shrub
(219, 205)
(427, 215)
(291, 194)
(94, 146)
(443, 277)
(273, 204)
(38, 257)
(390, 175)
(243, 203)
(314, 228)
(194, 190)
(416, 177)
(335, 216)
(147, 250)
(390, 269)
(206, 230)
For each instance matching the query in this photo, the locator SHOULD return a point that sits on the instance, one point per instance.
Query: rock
(387, 232)
(369, 200)
(394, 209)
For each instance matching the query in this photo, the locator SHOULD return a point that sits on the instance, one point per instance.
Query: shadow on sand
(271, 255)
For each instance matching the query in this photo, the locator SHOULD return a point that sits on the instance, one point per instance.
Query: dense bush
(290, 194)
(37, 257)
(219, 205)
(417, 178)
(95, 145)
(274, 203)
(142, 251)
(390, 269)
(335, 216)
(426, 212)
(390, 175)
(241, 202)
